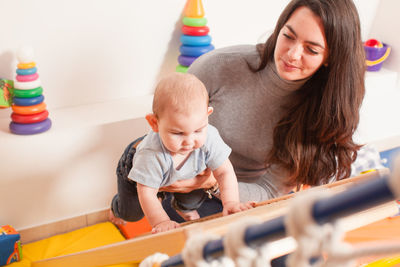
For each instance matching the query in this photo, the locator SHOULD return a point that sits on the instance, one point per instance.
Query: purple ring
(30, 128)
(186, 60)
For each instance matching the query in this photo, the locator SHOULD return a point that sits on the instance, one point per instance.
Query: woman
(289, 108)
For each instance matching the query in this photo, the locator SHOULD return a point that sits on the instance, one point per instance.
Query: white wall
(99, 51)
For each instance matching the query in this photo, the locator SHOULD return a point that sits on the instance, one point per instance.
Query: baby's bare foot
(189, 216)
(115, 220)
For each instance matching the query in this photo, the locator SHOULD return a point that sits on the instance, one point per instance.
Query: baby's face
(181, 133)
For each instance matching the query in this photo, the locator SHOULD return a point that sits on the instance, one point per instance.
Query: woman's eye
(288, 36)
(312, 51)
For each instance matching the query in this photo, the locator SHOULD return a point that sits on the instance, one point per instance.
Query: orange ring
(26, 110)
(26, 65)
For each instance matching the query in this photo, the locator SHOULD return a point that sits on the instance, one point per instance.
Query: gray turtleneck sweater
(247, 106)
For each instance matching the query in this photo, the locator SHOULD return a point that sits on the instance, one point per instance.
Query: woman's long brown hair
(314, 139)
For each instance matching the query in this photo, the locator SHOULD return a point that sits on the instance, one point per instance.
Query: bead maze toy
(10, 245)
(172, 242)
(375, 53)
(195, 39)
(30, 115)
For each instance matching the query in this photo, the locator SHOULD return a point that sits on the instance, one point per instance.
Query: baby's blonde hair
(179, 91)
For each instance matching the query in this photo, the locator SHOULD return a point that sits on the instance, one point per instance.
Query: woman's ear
(210, 110)
(152, 121)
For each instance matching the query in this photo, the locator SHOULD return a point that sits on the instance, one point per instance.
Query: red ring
(29, 118)
(195, 31)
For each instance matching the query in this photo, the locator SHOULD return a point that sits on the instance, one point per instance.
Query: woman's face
(301, 46)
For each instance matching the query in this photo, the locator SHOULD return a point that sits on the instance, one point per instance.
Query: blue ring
(195, 51)
(27, 71)
(195, 40)
(30, 101)
(30, 128)
(186, 60)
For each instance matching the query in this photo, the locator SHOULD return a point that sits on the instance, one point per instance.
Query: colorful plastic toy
(375, 53)
(195, 39)
(10, 245)
(29, 110)
(6, 90)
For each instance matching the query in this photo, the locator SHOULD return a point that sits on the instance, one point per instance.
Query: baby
(180, 145)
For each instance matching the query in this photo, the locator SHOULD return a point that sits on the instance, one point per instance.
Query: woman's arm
(203, 180)
(153, 209)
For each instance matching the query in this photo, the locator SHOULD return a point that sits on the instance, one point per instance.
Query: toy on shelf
(195, 39)
(6, 91)
(375, 53)
(10, 245)
(30, 115)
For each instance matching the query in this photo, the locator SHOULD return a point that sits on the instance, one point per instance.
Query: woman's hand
(203, 180)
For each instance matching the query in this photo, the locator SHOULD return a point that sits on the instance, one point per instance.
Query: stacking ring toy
(28, 65)
(26, 110)
(31, 128)
(195, 51)
(30, 101)
(28, 93)
(185, 60)
(18, 118)
(195, 31)
(195, 40)
(194, 22)
(27, 85)
(26, 71)
(27, 78)
(181, 68)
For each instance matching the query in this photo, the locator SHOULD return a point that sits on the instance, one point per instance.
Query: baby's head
(179, 92)
(180, 112)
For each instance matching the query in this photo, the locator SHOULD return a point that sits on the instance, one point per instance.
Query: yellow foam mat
(79, 240)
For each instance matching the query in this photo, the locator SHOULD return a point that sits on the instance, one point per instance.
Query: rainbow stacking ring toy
(30, 128)
(30, 115)
(194, 39)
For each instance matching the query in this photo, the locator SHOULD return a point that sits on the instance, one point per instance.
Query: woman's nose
(295, 52)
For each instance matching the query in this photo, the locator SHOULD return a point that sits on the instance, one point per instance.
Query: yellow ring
(28, 65)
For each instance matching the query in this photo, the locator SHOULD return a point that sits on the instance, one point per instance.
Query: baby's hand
(233, 207)
(164, 226)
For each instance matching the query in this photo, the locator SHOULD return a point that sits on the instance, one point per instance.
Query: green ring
(28, 93)
(194, 22)
(181, 68)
